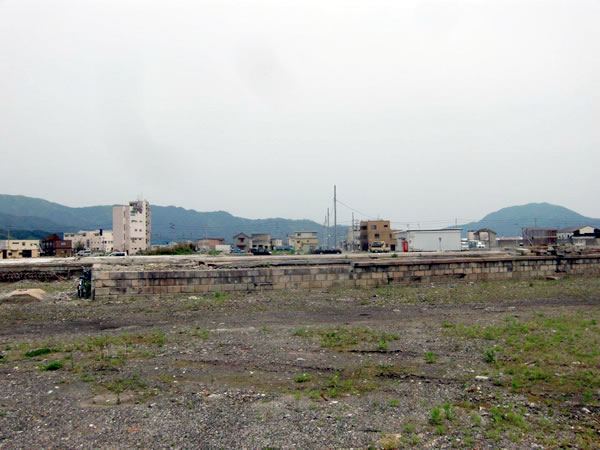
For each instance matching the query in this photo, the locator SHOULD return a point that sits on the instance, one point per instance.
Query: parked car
(84, 253)
(327, 251)
(118, 254)
(237, 250)
(379, 247)
(285, 248)
(260, 251)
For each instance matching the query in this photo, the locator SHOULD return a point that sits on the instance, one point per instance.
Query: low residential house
(208, 244)
(376, 231)
(304, 241)
(261, 241)
(580, 236)
(487, 236)
(242, 241)
(53, 245)
(539, 236)
(509, 242)
(276, 242)
(447, 239)
(24, 248)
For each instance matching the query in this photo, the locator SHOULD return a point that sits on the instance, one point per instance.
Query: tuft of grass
(489, 356)
(448, 411)
(303, 332)
(435, 417)
(56, 365)
(430, 357)
(38, 352)
(303, 378)
(394, 403)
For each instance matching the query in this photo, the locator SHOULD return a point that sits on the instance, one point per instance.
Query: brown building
(53, 245)
(539, 236)
(376, 230)
(209, 244)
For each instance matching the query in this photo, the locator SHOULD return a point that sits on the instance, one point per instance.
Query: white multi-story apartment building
(95, 240)
(132, 227)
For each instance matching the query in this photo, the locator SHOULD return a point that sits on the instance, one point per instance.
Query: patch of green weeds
(448, 411)
(435, 417)
(55, 365)
(489, 355)
(87, 378)
(543, 354)
(305, 377)
(303, 332)
(38, 352)
(394, 403)
(344, 338)
(430, 357)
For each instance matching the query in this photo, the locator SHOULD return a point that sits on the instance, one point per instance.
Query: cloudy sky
(420, 111)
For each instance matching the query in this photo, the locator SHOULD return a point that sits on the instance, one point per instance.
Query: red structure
(53, 245)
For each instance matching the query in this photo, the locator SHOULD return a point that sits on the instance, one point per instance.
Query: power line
(355, 210)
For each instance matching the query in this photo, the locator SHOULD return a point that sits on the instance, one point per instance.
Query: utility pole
(327, 227)
(353, 239)
(334, 218)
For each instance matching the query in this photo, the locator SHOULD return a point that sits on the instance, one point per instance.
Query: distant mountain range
(35, 218)
(28, 217)
(509, 221)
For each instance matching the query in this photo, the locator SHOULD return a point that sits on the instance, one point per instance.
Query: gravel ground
(324, 369)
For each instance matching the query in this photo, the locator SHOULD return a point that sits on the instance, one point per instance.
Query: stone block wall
(113, 284)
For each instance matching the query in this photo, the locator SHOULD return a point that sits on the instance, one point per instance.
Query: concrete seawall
(113, 283)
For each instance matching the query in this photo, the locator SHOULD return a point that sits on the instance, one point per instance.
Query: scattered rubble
(24, 296)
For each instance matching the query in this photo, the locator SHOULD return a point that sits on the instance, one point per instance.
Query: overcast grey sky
(419, 111)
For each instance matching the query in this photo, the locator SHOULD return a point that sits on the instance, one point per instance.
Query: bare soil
(292, 369)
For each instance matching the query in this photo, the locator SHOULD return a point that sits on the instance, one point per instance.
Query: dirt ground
(490, 365)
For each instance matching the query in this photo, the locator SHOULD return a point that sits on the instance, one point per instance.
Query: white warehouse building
(428, 240)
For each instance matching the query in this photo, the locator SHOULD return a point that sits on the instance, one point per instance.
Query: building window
(376, 235)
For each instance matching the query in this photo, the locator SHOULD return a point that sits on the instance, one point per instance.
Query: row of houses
(377, 235)
(52, 245)
(300, 241)
(579, 236)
